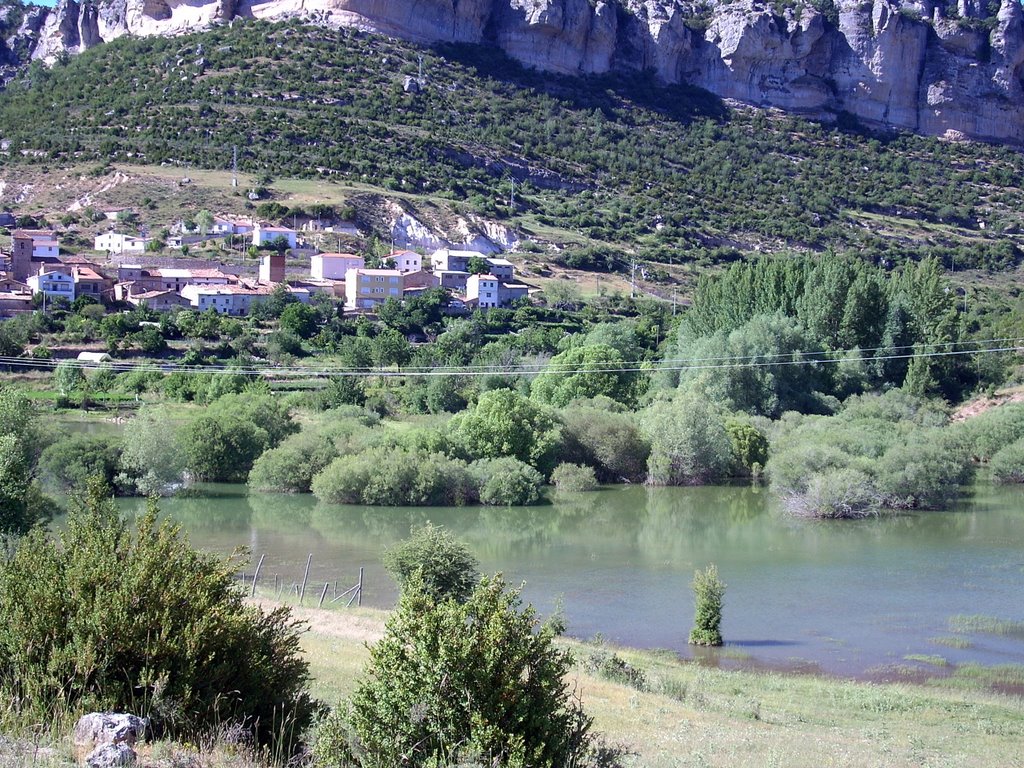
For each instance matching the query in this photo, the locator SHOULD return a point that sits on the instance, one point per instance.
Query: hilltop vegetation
(617, 165)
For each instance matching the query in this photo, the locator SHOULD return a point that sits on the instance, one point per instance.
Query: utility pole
(234, 166)
(512, 193)
(421, 69)
(632, 279)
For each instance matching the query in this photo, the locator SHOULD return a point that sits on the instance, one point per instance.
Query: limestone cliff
(940, 69)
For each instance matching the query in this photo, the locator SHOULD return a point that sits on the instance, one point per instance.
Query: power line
(751, 362)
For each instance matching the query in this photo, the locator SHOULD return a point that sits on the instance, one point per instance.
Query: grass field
(693, 715)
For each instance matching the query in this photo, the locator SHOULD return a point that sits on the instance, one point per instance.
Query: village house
(453, 280)
(366, 288)
(15, 296)
(147, 279)
(227, 225)
(90, 282)
(160, 301)
(117, 242)
(487, 291)
(420, 281)
(225, 299)
(28, 245)
(503, 269)
(55, 284)
(272, 268)
(263, 236)
(405, 261)
(452, 260)
(334, 266)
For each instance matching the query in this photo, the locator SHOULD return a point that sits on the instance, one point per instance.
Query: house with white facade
(366, 288)
(263, 235)
(405, 261)
(487, 291)
(116, 242)
(53, 285)
(334, 266)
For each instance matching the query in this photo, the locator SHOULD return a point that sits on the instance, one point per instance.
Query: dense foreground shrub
(99, 617)
(436, 561)
(450, 683)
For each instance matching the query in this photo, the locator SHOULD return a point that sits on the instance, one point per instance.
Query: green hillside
(617, 164)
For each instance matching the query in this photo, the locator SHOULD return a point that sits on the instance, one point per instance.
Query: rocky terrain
(952, 70)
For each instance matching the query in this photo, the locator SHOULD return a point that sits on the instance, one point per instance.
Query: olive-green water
(853, 597)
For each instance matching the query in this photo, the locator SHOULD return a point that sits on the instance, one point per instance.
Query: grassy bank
(693, 715)
(672, 714)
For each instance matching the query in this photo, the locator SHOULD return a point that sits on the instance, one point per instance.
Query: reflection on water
(845, 596)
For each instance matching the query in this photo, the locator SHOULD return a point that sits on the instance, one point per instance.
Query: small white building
(488, 291)
(483, 288)
(366, 288)
(115, 242)
(264, 235)
(453, 260)
(53, 285)
(405, 261)
(334, 266)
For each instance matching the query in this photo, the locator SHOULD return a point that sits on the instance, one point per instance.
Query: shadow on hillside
(608, 92)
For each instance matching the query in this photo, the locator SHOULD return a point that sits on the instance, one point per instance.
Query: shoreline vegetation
(662, 712)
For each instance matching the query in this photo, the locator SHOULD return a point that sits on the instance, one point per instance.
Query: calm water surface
(850, 598)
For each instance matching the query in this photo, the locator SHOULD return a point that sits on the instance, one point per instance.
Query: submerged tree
(708, 590)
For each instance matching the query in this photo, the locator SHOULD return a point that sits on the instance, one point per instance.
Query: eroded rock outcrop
(911, 64)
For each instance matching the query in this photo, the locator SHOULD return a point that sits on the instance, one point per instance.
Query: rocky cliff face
(939, 69)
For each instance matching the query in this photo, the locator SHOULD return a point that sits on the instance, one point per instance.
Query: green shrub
(442, 565)
(506, 482)
(100, 617)
(749, 448)
(291, 466)
(393, 476)
(504, 423)
(708, 592)
(610, 442)
(836, 494)
(480, 682)
(75, 458)
(1007, 465)
(613, 667)
(689, 444)
(573, 477)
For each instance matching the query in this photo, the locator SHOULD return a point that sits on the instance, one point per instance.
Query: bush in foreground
(99, 617)
(432, 557)
(480, 682)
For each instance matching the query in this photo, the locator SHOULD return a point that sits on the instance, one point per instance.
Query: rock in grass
(111, 755)
(109, 728)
